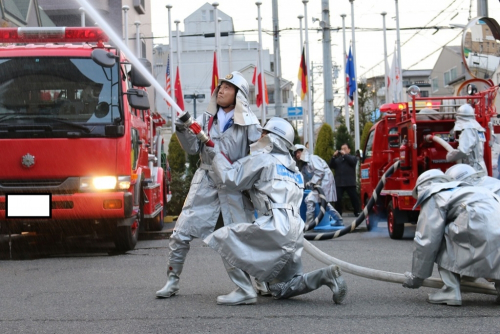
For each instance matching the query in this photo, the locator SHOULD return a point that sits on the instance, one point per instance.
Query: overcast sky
(417, 45)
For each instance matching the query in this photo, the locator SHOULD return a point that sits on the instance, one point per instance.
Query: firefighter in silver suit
(458, 230)
(471, 139)
(232, 126)
(269, 249)
(316, 171)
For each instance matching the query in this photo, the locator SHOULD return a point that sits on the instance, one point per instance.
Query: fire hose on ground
(315, 252)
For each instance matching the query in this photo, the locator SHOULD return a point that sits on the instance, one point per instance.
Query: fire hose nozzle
(428, 138)
(196, 129)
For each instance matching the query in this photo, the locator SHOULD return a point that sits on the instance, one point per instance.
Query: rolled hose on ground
(322, 209)
(362, 216)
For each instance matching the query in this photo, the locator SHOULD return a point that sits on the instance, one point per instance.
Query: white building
(197, 46)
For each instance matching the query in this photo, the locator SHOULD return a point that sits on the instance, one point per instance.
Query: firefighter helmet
(299, 147)
(462, 172)
(237, 80)
(466, 110)
(281, 128)
(430, 175)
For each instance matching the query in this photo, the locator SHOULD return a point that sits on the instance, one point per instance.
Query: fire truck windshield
(56, 97)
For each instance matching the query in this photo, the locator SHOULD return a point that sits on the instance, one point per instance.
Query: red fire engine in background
(410, 132)
(75, 127)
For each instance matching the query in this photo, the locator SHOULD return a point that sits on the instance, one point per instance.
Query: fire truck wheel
(126, 236)
(396, 228)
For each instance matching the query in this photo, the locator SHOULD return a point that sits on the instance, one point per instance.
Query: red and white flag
(178, 90)
(257, 82)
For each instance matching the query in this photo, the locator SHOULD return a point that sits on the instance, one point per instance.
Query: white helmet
(461, 172)
(237, 80)
(299, 147)
(432, 174)
(466, 110)
(281, 128)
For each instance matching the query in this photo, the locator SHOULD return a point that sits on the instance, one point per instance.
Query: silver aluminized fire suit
(316, 171)
(206, 198)
(470, 142)
(458, 229)
(270, 249)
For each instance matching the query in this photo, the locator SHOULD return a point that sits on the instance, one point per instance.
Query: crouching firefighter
(270, 248)
(316, 171)
(458, 230)
(232, 126)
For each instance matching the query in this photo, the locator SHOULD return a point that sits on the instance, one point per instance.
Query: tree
(365, 133)
(180, 182)
(296, 137)
(364, 115)
(176, 155)
(193, 160)
(341, 137)
(324, 143)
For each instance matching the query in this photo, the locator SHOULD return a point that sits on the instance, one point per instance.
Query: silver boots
(244, 294)
(172, 286)
(299, 285)
(262, 288)
(450, 292)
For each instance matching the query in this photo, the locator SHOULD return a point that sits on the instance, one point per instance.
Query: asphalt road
(81, 285)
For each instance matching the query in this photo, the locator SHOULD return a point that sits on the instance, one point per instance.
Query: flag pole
(304, 115)
(309, 102)
(386, 64)
(400, 84)
(217, 34)
(346, 93)
(261, 69)
(170, 56)
(356, 105)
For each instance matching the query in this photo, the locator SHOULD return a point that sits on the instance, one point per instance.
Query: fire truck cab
(79, 145)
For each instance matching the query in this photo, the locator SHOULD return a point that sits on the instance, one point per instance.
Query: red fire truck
(79, 146)
(410, 132)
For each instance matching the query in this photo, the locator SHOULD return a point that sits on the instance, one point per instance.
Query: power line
(440, 48)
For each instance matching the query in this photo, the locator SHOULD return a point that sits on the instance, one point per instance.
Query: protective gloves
(412, 281)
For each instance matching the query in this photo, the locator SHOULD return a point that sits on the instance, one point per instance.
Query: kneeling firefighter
(316, 171)
(270, 249)
(458, 230)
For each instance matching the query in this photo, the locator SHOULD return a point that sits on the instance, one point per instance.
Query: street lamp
(194, 97)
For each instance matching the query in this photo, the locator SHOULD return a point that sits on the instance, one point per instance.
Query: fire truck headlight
(98, 183)
(104, 182)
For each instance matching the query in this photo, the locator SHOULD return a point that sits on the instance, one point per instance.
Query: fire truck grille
(53, 186)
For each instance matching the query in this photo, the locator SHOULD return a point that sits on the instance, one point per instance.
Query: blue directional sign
(295, 113)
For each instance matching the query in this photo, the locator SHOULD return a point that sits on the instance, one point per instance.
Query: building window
(450, 75)
(271, 96)
(211, 16)
(424, 93)
(435, 84)
(286, 94)
(203, 15)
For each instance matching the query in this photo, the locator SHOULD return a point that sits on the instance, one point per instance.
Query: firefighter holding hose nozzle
(471, 139)
(232, 127)
(458, 230)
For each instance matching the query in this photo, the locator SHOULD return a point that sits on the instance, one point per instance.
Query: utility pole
(278, 96)
(327, 65)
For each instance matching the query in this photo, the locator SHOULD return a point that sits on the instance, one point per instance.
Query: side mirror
(138, 99)
(103, 58)
(136, 76)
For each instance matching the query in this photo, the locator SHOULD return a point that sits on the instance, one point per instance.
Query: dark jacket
(345, 170)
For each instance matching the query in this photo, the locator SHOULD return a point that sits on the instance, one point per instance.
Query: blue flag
(350, 76)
